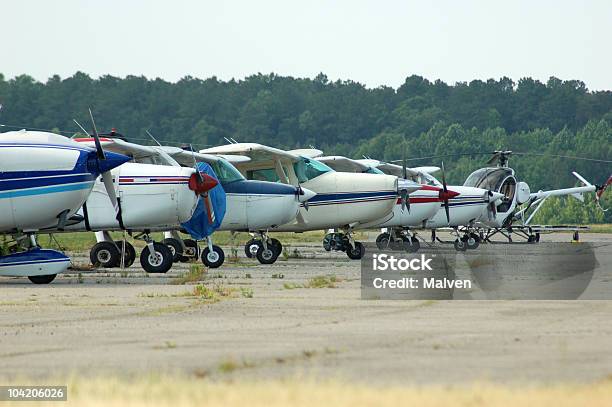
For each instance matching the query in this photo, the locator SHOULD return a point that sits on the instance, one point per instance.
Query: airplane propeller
(103, 163)
(445, 195)
(107, 177)
(404, 196)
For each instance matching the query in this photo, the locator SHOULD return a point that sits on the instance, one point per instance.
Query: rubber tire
(215, 264)
(357, 252)
(113, 259)
(460, 245)
(130, 254)
(175, 247)
(382, 241)
(42, 279)
(247, 247)
(277, 246)
(193, 251)
(472, 246)
(412, 246)
(265, 259)
(166, 259)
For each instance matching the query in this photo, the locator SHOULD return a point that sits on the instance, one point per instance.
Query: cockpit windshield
(372, 170)
(226, 172)
(307, 169)
(488, 178)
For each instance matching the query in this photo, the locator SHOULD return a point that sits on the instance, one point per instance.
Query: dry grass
(177, 391)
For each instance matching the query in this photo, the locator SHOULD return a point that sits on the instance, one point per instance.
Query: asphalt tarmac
(302, 316)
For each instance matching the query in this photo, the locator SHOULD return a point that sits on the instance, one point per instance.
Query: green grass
(83, 241)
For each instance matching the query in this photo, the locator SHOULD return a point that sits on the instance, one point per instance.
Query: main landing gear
(398, 239)
(470, 240)
(264, 248)
(154, 258)
(344, 242)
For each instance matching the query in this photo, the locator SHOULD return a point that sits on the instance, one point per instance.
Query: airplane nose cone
(305, 195)
(449, 194)
(112, 160)
(202, 184)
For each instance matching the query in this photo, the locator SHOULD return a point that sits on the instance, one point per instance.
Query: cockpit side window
(372, 170)
(307, 169)
(226, 172)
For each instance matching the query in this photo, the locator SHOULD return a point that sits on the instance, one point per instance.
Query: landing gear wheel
(175, 247)
(537, 237)
(382, 241)
(42, 279)
(472, 241)
(158, 262)
(266, 256)
(105, 254)
(357, 252)
(460, 245)
(214, 258)
(276, 246)
(130, 254)
(251, 247)
(191, 252)
(531, 239)
(413, 245)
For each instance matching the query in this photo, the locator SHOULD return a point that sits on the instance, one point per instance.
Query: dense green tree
(458, 124)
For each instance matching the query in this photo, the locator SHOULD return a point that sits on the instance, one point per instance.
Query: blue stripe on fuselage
(18, 181)
(258, 188)
(46, 190)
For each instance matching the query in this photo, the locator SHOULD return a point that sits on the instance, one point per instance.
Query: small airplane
(343, 201)
(510, 215)
(44, 179)
(420, 206)
(460, 210)
(251, 205)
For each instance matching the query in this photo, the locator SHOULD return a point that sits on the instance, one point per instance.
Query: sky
(372, 42)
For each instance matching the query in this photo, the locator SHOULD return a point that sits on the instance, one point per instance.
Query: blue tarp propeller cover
(199, 226)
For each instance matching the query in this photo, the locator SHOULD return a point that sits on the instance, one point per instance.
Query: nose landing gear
(398, 239)
(343, 242)
(265, 249)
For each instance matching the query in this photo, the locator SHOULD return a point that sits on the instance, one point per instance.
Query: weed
(323, 282)
(195, 273)
(246, 292)
(291, 286)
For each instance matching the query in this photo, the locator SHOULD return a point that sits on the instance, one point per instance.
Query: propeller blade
(96, 137)
(404, 171)
(405, 200)
(447, 210)
(210, 210)
(444, 179)
(107, 177)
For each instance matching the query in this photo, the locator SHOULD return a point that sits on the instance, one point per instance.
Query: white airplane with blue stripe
(44, 179)
(251, 205)
(343, 201)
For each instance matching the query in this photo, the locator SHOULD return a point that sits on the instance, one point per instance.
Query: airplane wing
(343, 164)
(428, 170)
(120, 146)
(258, 154)
(307, 152)
(186, 157)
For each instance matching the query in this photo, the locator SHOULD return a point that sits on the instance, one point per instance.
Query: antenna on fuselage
(154, 139)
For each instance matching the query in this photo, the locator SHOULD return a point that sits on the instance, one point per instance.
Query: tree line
(458, 124)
